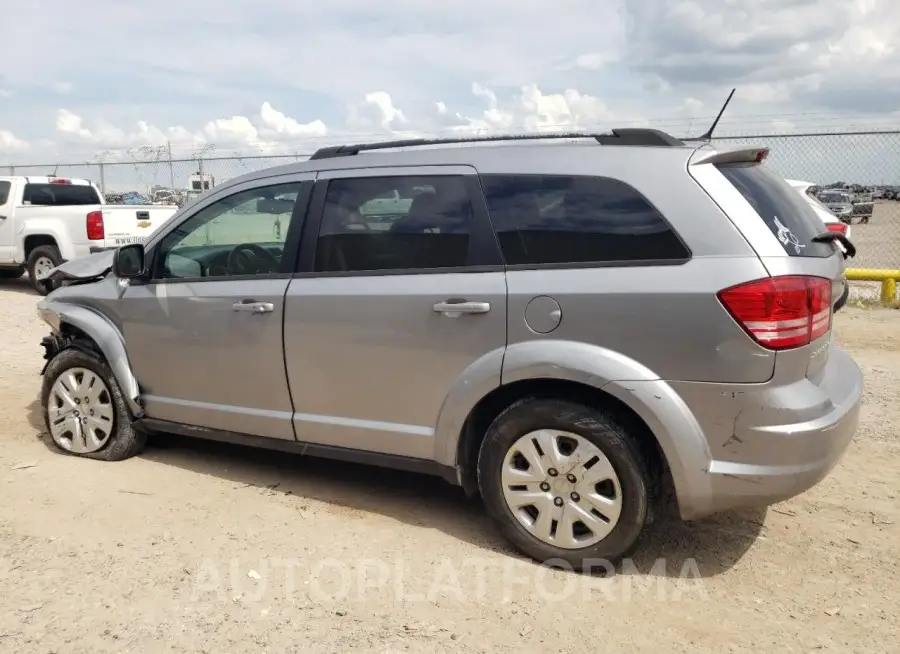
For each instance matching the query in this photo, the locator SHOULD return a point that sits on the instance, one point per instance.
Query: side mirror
(128, 261)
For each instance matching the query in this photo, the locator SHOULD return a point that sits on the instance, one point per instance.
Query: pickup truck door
(7, 229)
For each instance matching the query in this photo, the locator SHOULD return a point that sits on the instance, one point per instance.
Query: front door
(402, 292)
(205, 336)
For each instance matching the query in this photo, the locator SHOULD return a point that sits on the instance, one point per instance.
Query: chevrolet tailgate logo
(143, 223)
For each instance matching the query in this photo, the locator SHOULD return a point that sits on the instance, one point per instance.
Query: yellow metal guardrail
(888, 279)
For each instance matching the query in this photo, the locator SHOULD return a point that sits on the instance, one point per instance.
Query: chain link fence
(867, 162)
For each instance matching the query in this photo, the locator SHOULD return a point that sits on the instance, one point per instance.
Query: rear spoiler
(754, 154)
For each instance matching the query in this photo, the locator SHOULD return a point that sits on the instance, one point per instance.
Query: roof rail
(628, 136)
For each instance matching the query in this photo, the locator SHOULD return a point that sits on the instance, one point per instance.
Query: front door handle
(253, 307)
(455, 308)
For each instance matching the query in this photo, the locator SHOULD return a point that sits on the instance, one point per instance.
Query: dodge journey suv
(579, 328)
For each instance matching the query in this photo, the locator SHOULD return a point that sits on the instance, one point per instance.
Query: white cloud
(62, 87)
(276, 122)
(10, 143)
(593, 60)
(533, 110)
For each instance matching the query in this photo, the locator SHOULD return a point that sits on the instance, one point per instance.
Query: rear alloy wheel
(565, 483)
(561, 488)
(84, 411)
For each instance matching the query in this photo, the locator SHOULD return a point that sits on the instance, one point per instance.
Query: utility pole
(171, 169)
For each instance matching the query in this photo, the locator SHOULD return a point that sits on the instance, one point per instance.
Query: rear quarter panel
(665, 317)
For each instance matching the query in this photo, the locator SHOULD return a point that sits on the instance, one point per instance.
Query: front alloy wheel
(81, 415)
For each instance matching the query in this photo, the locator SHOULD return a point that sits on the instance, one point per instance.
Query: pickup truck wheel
(565, 483)
(40, 262)
(11, 273)
(84, 411)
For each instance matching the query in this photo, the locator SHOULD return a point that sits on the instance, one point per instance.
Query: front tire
(84, 411)
(565, 483)
(41, 260)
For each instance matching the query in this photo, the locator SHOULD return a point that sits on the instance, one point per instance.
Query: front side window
(557, 219)
(242, 234)
(394, 223)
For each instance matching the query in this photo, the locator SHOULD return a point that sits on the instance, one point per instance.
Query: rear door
(781, 227)
(401, 294)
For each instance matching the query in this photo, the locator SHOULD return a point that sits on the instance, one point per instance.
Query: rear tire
(603, 504)
(84, 411)
(41, 260)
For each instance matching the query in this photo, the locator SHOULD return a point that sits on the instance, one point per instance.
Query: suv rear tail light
(94, 225)
(840, 228)
(781, 312)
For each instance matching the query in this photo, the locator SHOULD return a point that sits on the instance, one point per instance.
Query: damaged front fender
(102, 332)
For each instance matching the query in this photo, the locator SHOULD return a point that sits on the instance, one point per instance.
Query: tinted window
(4, 192)
(241, 234)
(561, 219)
(394, 223)
(785, 212)
(57, 195)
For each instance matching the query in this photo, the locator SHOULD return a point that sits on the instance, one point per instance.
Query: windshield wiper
(831, 237)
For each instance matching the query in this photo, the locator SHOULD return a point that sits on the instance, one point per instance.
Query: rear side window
(394, 223)
(790, 218)
(57, 195)
(556, 219)
(4, 192)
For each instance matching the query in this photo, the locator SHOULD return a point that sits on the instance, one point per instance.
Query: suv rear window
(56, 195)
(786, 213)
(557, 219)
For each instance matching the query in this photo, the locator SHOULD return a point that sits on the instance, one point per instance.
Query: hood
(84, 268)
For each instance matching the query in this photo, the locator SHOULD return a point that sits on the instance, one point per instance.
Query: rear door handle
(253, 307)
(455, 308)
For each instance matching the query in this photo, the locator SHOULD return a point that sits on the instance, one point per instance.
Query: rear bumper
(94, 249)
(770, 443)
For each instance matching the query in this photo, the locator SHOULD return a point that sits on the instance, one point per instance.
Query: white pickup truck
(45, 221)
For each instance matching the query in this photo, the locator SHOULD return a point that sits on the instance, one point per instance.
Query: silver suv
(575, 327)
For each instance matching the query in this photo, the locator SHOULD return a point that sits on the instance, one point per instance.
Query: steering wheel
(251, 259)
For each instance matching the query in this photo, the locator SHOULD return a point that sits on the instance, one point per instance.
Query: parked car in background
(45, 221)
(822, 210)
(863, 206)
(840, 203)
(575, 328)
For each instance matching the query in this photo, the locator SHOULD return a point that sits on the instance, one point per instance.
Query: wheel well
(494, 403)
(33, 241)
(76, 337)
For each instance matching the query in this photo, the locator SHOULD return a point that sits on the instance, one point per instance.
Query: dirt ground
(198, 547)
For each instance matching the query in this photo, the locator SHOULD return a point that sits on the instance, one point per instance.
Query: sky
(121, 81)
